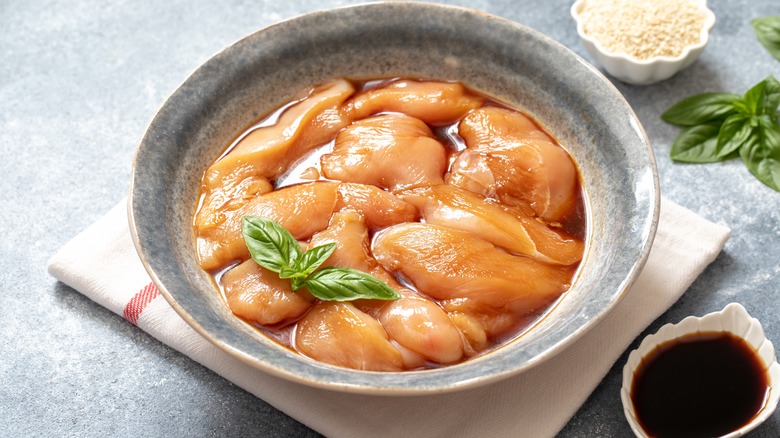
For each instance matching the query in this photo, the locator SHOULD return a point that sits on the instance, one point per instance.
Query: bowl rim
(709, 22)
(647, 238)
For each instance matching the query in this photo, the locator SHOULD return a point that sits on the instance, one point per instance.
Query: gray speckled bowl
(498, 57)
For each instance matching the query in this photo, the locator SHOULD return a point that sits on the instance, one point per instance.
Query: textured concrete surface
(79, 81)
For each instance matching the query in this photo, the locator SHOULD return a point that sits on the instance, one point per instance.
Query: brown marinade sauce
(704, 384)
(574, 223)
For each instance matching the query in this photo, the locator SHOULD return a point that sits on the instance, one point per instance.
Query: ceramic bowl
(493, 55)
(733, 319)
(642, 71)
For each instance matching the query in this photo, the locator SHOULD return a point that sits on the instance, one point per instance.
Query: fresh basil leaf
(762, 157)
(274, 248)
(270, 244)
(308, 263)
(297, 282)
(734, 132)
(763, 98)
(772, 93)
(697, 144)
(345, 284)
(289, 272)
(701, 108)
(740, 106)
(315, 257)
(767, 29)
(770, 130)
(755, 99)
(748, 128)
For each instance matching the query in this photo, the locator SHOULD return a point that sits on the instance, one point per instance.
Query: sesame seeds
(643, 29)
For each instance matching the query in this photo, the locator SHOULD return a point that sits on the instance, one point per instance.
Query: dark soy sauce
(701, 385)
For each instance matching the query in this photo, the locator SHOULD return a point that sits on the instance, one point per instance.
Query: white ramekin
(733, 319)
(642, 71)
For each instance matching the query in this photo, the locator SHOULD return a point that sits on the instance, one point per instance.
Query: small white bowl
(733, 319)
(642, 71)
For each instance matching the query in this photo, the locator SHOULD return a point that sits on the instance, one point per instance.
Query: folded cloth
(102, 263)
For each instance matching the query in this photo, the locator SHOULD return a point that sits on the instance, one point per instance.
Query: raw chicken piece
(445, 263)
(379, 207)
(260, 296)
(492, 321)
(340, 334)
(215, 204)
(348, 230)
(461, 209)
(266, 152)
(422, 326)
(509, 157)
(388, 151)
(430, 101)
(473, 332)
(302, 209)
(414, 322)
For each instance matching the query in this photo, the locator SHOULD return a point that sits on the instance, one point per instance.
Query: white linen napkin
(101, 263)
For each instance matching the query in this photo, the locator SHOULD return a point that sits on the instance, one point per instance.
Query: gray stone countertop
(79, 81)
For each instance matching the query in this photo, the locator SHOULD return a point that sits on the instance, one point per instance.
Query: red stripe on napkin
(138, 303)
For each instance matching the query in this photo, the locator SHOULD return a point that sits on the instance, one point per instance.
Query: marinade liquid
(702, 385)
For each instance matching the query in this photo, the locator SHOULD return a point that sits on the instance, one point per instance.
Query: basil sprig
(720, 126)
(274, 248)
(767, 29)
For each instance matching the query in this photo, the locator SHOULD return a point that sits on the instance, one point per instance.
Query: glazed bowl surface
(500, 58)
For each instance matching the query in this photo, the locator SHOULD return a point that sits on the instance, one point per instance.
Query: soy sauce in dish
(704, 384)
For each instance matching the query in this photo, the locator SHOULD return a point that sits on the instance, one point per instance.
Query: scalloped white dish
(642, 71)
(733, 319)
